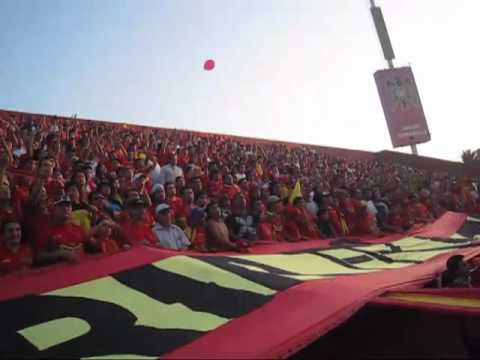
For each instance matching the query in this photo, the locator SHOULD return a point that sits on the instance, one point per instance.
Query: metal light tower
(386, 44)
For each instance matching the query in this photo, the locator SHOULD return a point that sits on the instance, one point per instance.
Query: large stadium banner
(148, 303)
(402, 106)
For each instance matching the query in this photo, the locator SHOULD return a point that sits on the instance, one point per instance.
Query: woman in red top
(366, 222)
(215, 184)
(102, 237)
(13, 255)
(305, 220)
(229, 187)
(273, 228)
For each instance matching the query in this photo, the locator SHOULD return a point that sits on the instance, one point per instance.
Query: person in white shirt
(170, 172)
(169, 236)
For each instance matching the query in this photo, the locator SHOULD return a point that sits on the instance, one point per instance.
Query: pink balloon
(209, 65)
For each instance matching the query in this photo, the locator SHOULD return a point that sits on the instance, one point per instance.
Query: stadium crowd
(71, 187)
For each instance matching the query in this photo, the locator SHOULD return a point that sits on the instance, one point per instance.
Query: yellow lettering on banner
(149, 312)
(310, 266)
(54, 332)
(302, 264)
(201, 271)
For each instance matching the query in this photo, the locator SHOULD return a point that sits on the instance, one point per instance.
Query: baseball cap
(138, 176)
(162, 208)
(274, 199)
(157, 187)
(63, 200)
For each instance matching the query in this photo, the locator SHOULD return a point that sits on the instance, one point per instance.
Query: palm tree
(471, 159)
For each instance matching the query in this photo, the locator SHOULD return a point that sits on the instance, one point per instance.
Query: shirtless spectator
(217, 231)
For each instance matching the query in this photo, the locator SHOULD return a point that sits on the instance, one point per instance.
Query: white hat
(157, 187)
(138, 176)
(162, 207)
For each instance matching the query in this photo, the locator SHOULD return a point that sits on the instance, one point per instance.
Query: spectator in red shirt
(245, 190)
(273, 226)
(188, 205)
(13, 254)
(62, 241)
(102, 238)
(366, 223)
(197, 185)
(305, 220)
(180, 184)
(175, 202)
(136, 229)
(394, 219)
(334, 215)
(215, 183)
(196, 231)
(229, 187)
(420, 211)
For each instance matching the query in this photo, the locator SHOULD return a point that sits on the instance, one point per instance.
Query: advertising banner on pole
(402, 106)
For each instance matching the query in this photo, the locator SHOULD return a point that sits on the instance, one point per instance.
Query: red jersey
(185, 211)
(334, 218)
(66, 237)
(138, 234)
(109, 246)
(12, 261)
(348, 208)
(421, 210)
(364, 224)
(199, 238)
(176, 204)
(124, 217)
(265, 231)
(308, 228)
(215, 187)
(231, 190)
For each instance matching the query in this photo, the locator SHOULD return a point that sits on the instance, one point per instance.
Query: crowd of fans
(72, 187)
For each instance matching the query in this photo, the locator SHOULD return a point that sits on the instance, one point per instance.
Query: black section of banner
(113, 329)
(271, 279)
(171, 288)
(469, 229)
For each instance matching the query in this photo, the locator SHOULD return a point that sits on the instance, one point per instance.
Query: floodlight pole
(387, 48)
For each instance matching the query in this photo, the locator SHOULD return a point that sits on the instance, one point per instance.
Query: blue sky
(299, 70)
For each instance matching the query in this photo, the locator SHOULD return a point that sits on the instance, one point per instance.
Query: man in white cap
(168, 235)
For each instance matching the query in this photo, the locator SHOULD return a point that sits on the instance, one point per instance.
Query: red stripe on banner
(300, 315)
(41, 280)
(445, 226)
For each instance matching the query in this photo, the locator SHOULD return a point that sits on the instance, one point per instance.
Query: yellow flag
(259, 169)
(296, 192)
